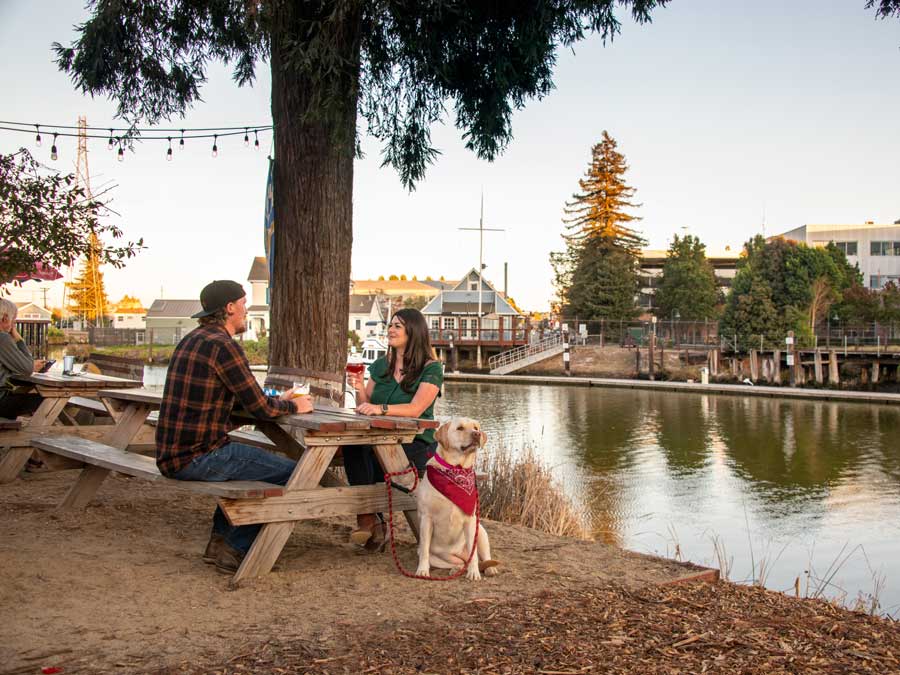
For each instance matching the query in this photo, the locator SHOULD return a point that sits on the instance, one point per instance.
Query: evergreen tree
(688, 282)
(604, 282)
(751, 311)
(596, 276)
(87, 294)
(398, 65)
(599, 210)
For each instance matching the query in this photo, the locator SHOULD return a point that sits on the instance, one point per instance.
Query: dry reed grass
(520, 489)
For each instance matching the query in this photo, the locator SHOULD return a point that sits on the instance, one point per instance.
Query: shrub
(520, 489)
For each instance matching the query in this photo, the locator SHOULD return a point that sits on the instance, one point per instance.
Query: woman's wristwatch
(384, 407)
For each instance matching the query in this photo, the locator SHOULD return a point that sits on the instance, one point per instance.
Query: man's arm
(15, 356)
(234, 370)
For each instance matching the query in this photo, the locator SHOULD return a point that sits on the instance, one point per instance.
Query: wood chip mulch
(692, 628)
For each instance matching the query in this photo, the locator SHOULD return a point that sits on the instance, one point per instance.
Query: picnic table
(312, 491)
(57, 392)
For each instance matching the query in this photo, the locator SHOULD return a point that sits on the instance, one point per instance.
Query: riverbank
(120, 586)
(687, 387)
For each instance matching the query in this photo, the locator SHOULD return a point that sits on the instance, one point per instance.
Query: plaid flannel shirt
(207, 372)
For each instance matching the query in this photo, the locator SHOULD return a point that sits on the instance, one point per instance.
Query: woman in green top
(405, 383)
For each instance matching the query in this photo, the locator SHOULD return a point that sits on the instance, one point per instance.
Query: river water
(787, 489)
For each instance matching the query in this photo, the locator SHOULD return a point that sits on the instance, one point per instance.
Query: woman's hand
(355, 380)
(368, 409)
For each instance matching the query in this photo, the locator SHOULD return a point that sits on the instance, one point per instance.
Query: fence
(669, 333)
(111, 337)
(828, 335)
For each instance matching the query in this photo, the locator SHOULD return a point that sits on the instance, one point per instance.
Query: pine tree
(596, 276)
(87, 295)
(599, 209)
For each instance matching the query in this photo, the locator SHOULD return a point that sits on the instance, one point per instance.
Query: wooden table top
(85, 381)
(321, 419)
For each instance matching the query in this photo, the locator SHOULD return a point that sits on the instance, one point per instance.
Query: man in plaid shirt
(207, 373)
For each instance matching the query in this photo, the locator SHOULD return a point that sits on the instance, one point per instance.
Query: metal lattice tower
(88, 296)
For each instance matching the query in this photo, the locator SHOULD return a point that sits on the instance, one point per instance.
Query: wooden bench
(103, 458)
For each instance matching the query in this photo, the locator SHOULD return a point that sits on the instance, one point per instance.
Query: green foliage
(596, 276)
(688, 282)
(604, 282)
(803, 282)
(46, 217)
(416, 301)
(353, 340)
(411, 61)
(750, 310)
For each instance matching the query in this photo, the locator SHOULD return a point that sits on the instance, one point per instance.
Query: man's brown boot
(212, 548)
(229, 559)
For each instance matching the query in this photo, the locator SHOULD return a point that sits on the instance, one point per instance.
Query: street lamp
(676, 315)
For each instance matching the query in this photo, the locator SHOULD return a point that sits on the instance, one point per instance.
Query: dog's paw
(491, 572)
(473, 574)
(423, 571)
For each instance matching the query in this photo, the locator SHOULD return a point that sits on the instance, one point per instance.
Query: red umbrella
(41, 272)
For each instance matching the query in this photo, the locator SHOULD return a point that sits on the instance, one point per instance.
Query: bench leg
(393, 459)
(12, 463)
(273, 536)
(85, 488)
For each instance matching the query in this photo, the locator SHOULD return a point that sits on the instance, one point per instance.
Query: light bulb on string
(37, 139)
(246, 139)
(54, 155)
(256, 142)
(121, 153)
(109, 146)
(215, 150)
(169, 151)
(181, 142)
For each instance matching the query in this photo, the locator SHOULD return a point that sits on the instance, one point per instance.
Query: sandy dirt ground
(120, 586)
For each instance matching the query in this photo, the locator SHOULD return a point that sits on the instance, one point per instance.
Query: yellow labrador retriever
(446, 499)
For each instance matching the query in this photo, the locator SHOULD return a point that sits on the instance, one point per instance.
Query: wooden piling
(876, 368)
(834, 374)
(776, 366)
(754, 365)
(817, 366)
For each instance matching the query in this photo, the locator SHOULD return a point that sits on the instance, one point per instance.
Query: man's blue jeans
(237, 461)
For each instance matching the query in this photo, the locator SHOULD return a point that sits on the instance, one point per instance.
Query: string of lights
(122, 136)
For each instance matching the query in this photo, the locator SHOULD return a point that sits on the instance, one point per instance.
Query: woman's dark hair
(418, 350)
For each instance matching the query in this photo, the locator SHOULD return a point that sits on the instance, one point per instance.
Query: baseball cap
(217, 294)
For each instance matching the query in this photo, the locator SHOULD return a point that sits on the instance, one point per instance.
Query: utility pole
(481, 229)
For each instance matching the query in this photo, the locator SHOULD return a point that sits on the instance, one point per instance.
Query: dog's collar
(443, 462)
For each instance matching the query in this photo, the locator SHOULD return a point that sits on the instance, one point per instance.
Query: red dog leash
(389, 484)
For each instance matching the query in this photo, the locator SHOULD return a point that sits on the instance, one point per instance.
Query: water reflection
(663, 468)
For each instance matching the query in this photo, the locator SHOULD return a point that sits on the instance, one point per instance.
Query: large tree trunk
(313, 196)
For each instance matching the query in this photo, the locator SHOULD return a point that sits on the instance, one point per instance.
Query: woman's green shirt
(388, 390)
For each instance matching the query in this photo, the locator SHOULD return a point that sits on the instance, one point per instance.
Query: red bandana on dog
(455, 483)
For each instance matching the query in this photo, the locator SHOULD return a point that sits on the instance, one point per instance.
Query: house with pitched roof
(476, 318)
(258, 322)
(170, 320)
(129, 312)
(366, 315)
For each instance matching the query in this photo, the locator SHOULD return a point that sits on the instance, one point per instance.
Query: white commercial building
(874, 248)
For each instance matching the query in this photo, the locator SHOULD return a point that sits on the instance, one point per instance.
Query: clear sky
(729, 113)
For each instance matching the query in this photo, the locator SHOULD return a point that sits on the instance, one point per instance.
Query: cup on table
(356, 367)
(68, 364)
(300, 389)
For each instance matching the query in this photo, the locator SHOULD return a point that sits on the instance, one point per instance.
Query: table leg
(14, 460)
(120, 436)
(273, 536)
(85, 487)
(12, 463)
(48, 411)
(393, 459)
